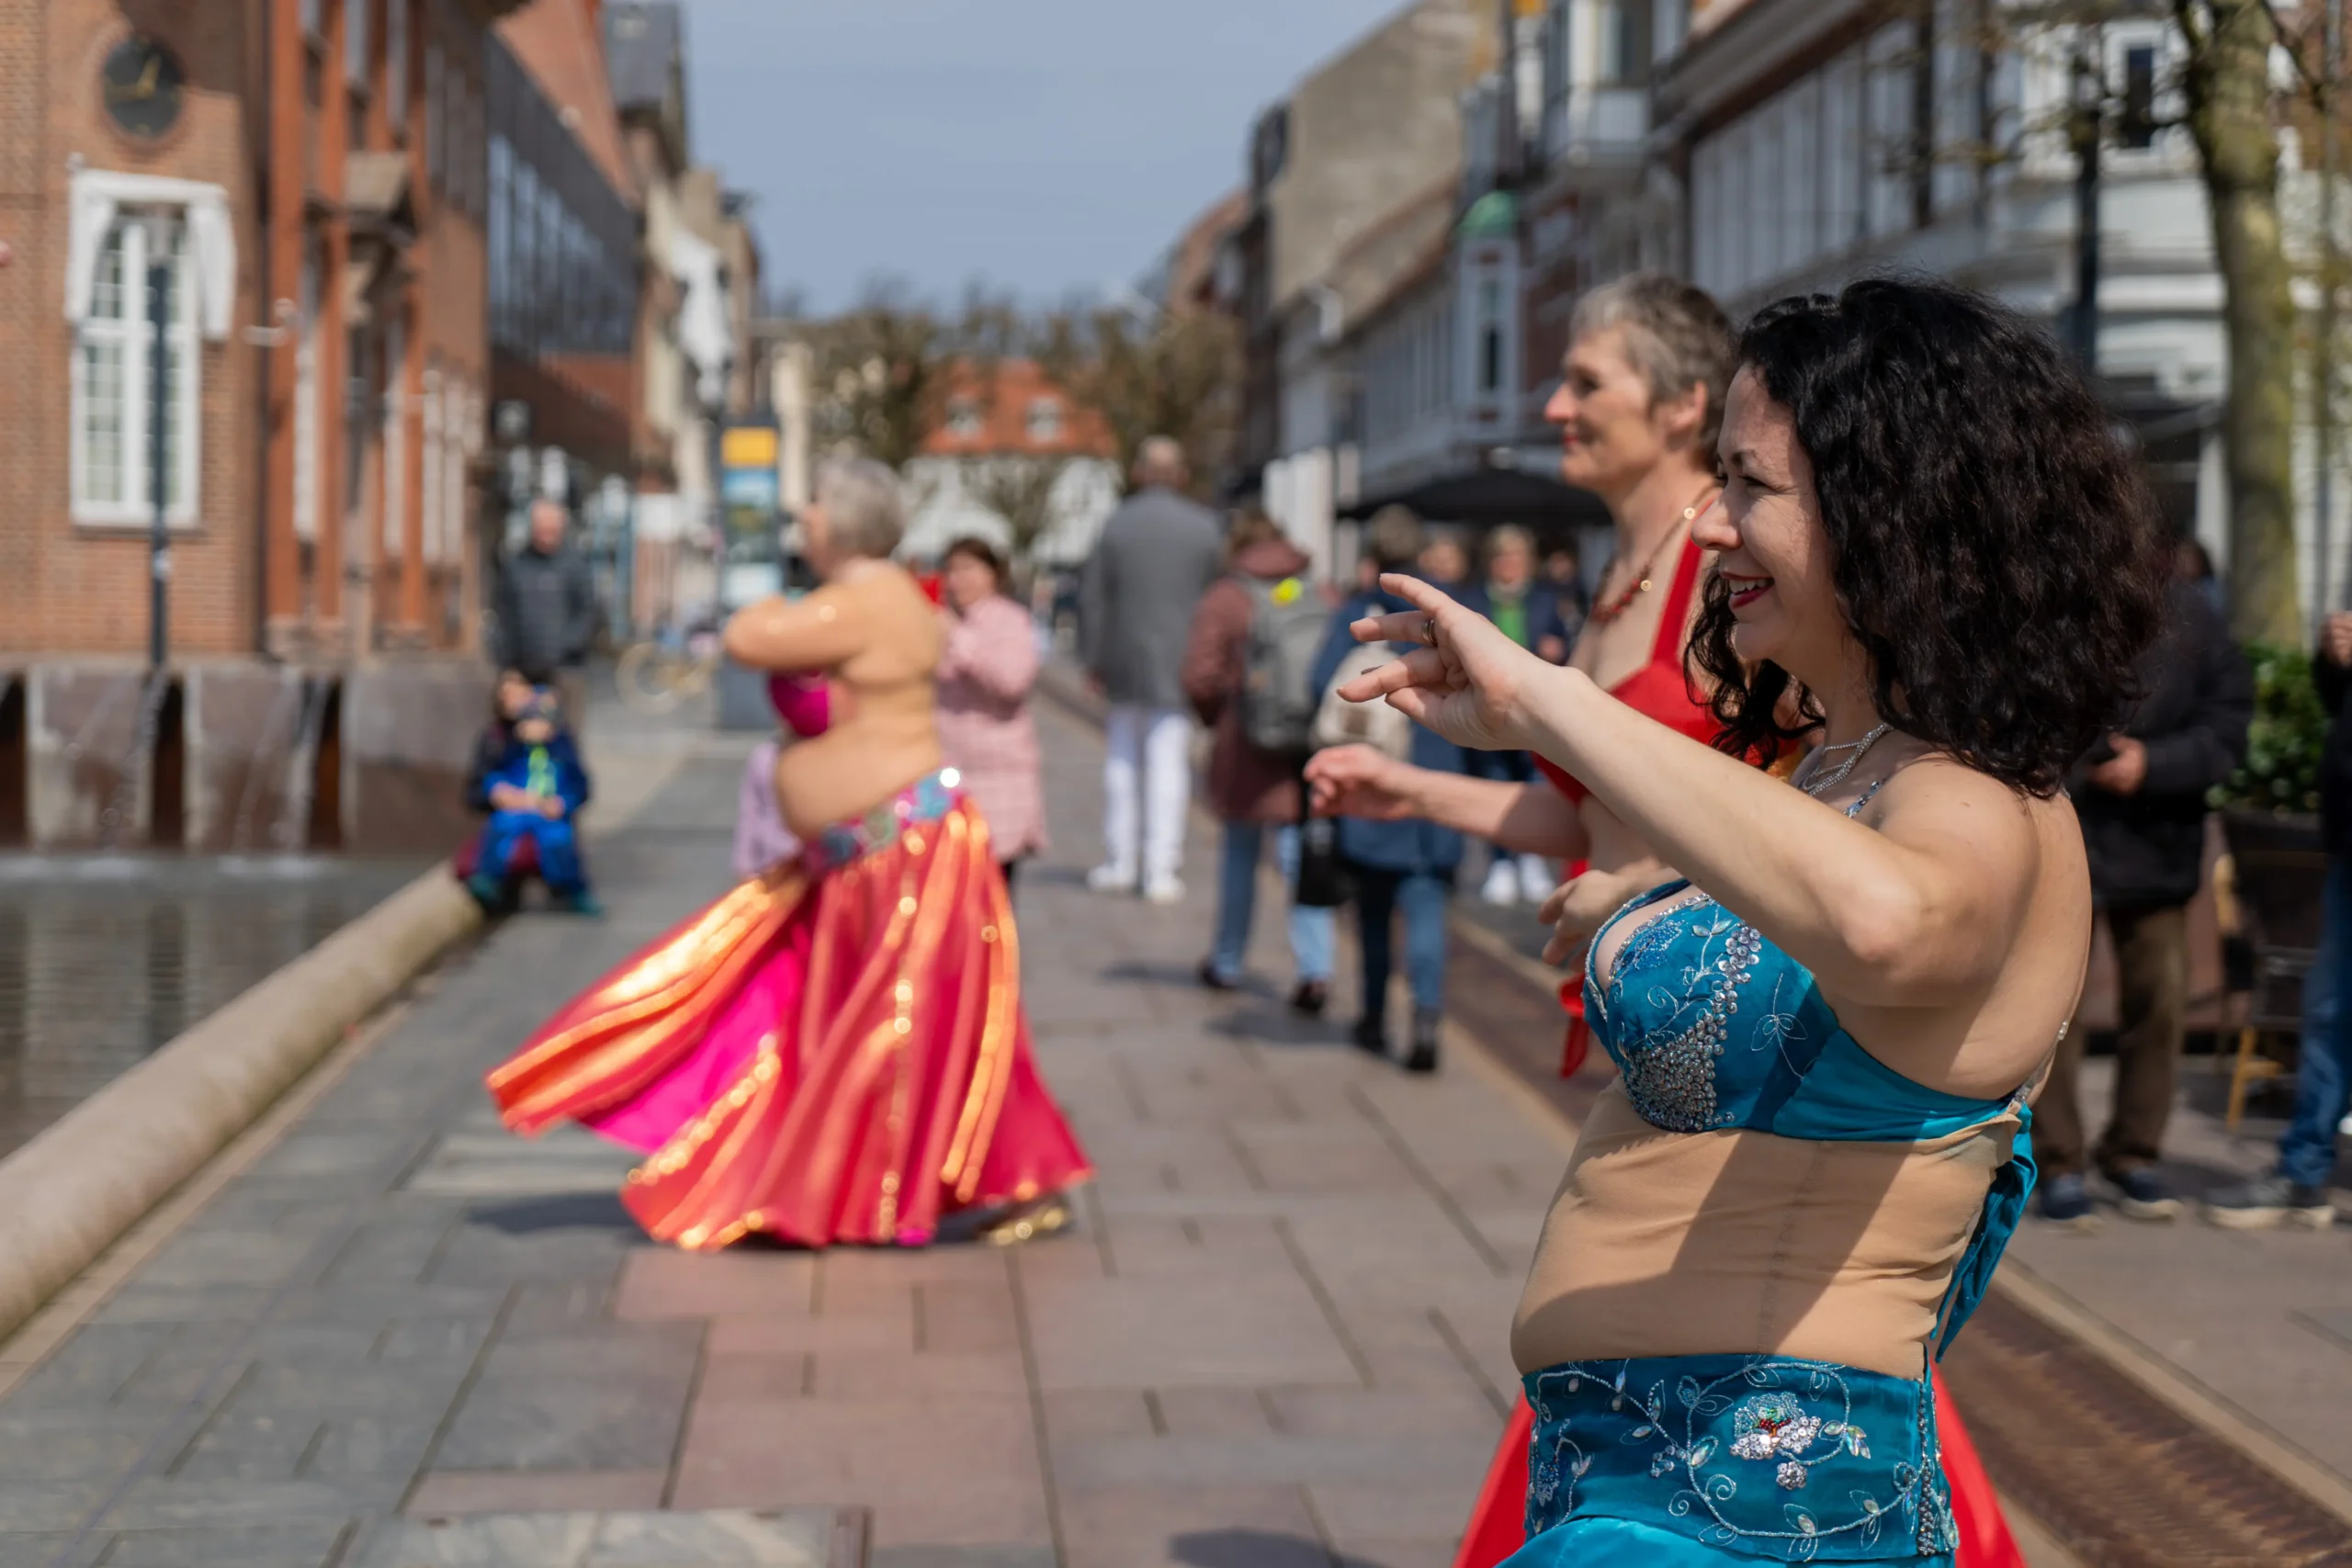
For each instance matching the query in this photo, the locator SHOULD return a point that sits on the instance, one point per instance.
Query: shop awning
(1493, 495)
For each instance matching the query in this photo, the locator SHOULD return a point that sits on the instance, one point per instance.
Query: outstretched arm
(1531, 820)
(1914, 910)
(812, 633)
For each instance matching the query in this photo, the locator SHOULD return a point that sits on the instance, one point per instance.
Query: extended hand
(1356, 780)
(1576, 909)
(2124, 772)
(1467, 682)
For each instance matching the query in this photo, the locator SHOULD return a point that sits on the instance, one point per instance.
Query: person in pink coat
(986, 674)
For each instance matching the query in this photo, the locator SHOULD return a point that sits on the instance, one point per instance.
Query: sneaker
(2066, 1200)
(488, 891)
(1503, 882)
(1163, 891)
(1217, 979)
(1110, 879)
(1370, 1034)
(2143, 1196)
(1310, 998)
(1423, 1056)
(1535, 879)
(583, 902)
(2268, 1202)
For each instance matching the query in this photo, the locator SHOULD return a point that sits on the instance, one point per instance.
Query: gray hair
(1676, 335)
(1393, 537)
(1161, 464)
(866, 509)
(1511, 537)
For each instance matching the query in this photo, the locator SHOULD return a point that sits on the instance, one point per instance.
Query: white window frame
(132, 333)
(306, 402)
(429, 458)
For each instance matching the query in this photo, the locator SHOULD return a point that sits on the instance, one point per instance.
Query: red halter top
(1660, 688)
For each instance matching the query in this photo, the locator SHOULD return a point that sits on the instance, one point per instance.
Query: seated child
(527, 776)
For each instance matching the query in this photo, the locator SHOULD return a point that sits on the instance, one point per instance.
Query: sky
(1039, 146)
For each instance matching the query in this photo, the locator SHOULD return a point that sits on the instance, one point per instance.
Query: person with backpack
(1396, 865)
(1247, 673)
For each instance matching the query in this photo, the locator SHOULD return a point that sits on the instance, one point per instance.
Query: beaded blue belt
(1757, 1456)
(925, 800)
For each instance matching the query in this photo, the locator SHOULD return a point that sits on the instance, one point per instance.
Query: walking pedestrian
(1253, 787)
(1397, 864)
(2141, 799)
(545, 605)
(1529, 615)
(2296, 1191)
(988, 667)
(1157, 555)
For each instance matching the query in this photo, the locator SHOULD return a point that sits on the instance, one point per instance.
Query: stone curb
(80, 1184)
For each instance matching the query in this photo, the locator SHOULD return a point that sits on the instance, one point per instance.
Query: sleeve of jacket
(2206, 749)
(579, 605)
(1334, 651)
(489, 748)
(995, 649)
(1093, 598)
(570, 775)
(1211, 664)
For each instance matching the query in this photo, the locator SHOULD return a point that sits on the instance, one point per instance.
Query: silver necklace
(1861, 748)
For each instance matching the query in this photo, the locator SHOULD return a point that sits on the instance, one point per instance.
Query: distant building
(1010, 419)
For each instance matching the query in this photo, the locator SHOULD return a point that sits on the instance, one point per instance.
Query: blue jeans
(559, 849)
(1237, 901)
(1422, 897)
(2307, 1151)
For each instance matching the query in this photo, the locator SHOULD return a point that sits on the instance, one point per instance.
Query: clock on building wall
(146, 88)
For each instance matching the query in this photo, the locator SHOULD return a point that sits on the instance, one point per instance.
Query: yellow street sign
(751, 447)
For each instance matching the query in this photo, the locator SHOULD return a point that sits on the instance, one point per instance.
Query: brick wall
(78, 589)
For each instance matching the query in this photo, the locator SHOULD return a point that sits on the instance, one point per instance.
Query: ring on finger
(1428, 630)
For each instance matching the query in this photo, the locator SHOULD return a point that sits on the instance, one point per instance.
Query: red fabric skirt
(1497, 1526)
(834, 1056)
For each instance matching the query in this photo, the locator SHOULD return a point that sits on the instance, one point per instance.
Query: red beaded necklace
(1601, 614)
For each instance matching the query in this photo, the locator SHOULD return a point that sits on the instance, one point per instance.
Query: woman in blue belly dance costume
(1827, 1035)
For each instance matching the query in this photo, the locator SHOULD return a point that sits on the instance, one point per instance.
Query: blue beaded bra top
(1714, 1028)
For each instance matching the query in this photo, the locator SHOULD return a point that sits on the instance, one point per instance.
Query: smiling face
(1613, 433)
(1771, 547)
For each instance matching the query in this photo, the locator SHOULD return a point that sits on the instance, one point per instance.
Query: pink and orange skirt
(835, 1051)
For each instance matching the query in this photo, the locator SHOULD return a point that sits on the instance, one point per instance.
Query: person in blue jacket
(527, 776)
(1403, 867)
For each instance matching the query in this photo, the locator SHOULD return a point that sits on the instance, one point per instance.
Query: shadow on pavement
(1258, 1549)
(570, 1211)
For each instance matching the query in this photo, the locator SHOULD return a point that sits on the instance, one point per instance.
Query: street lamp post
(158, 542)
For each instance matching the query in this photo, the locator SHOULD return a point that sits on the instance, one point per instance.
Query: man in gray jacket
(1158, 554)
(547, 612)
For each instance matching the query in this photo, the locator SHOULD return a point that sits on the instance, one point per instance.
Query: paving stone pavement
(1275, 1335)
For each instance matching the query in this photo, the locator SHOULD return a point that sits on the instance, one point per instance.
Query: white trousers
(1147, 786)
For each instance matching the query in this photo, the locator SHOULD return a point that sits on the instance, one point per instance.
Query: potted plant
(2275, 796)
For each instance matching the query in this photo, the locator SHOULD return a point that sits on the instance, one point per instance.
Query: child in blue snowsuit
(528, 778)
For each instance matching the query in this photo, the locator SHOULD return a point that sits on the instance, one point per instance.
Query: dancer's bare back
(877, 637)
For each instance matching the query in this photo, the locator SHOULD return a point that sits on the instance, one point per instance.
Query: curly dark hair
(1995, 545)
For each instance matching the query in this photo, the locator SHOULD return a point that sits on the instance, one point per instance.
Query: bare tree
(2233, 118)
(879, 372)
(1177, 376)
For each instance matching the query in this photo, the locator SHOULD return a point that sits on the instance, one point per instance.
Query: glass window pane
(105, 295)
(396, 63)
(178, 406)
(355, 41)
(102, 412)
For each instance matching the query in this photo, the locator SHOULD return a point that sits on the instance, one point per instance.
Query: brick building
(318, 177)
